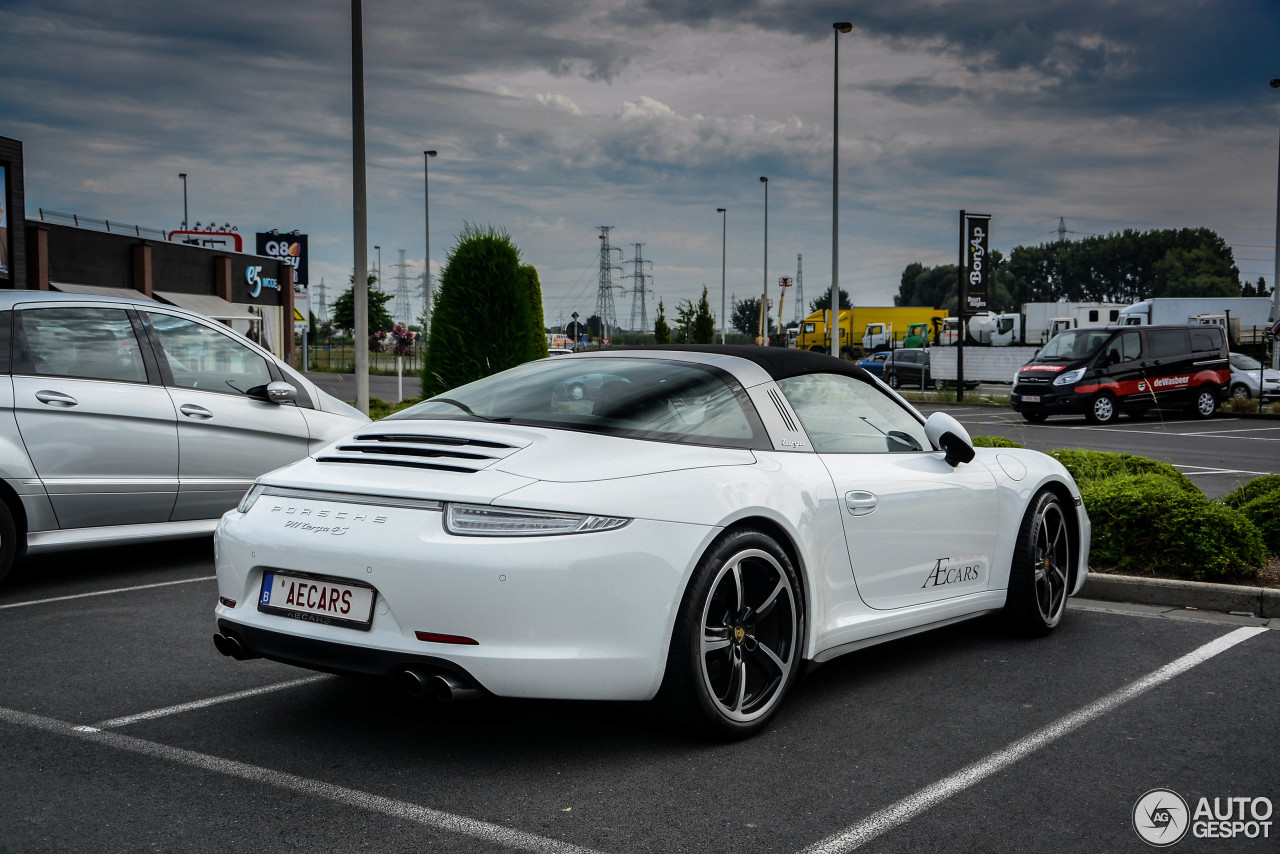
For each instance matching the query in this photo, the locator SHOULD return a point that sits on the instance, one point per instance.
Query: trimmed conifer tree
(481, 322)
(533, 287)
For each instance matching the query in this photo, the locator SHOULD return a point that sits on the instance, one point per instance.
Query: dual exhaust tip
(444, 687)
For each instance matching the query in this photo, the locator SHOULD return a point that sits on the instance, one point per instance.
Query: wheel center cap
(739, 634)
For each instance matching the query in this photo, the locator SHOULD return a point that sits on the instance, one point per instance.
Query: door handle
(860, 503)
(192, 411)
(56, 398)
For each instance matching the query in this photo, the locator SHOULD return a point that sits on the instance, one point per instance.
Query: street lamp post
(183, 176)
(764, 300)
(834, 325)
(426, 210)
(1275, 280)
(360, 210)
(724, 318)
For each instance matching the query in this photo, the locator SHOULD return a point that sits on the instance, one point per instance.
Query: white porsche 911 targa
(685, 525)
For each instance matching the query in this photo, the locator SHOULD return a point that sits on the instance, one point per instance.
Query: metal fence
(59, 218)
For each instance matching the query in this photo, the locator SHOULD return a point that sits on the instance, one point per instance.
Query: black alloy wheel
(735, 651)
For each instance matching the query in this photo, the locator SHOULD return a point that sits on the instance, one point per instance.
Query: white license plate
(317, 600)
(1031, 398)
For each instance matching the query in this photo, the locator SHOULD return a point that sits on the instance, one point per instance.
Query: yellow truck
(878, 328)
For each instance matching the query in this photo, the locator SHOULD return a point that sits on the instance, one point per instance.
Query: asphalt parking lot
(121, 729)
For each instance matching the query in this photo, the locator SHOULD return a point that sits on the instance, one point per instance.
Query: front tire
(1240, 391)
(894, 382)
(1206, 401)
(1041, 571)
(735, 651)
(1102, 409)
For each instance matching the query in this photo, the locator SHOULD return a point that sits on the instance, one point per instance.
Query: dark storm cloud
(1092, 55)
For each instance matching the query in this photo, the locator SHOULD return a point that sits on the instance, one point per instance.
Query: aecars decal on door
(956, 570)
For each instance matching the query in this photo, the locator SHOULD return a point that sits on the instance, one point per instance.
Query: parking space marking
(493, 834)
(1207, 470)
(106, 592)
(894, 815)
(116, 723)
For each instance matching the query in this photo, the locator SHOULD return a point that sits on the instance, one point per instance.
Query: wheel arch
(19, 513)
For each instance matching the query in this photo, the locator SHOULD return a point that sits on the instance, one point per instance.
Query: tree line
(1121, 268)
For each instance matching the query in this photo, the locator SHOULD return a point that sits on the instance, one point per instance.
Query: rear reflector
(230, 603)
(432, 637)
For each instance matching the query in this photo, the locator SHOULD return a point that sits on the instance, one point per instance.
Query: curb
(1227, 598)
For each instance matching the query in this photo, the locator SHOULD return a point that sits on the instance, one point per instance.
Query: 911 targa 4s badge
(691, 526)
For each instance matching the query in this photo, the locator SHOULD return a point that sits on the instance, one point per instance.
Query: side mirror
(946, 433)
(279, 393)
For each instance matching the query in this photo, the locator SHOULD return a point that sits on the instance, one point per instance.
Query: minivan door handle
(56, 398)
(860, 503)
(192, 411)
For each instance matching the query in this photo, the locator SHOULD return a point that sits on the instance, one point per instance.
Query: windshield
(1241, 362)
(1073, 345)
(638, 398)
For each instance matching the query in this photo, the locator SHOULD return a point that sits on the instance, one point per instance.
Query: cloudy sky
(554, 117)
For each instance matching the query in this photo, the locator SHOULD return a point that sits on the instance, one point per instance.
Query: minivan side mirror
(946, 433)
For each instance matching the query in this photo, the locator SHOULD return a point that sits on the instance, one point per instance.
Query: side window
(1167, 342)
(843, 415)
(1205, 340)
(1093, 315)
(86, 343)
(1130, 346)
(205, 359)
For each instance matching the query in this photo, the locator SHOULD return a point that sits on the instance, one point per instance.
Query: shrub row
(1150, 519)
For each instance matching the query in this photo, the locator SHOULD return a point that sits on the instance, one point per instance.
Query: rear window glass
(637, 398)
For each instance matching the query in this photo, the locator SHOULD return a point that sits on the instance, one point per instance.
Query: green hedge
(1148, 522)
(1090, 466)
(381, 409)
(994, 442)
(1264, 511)
(1255, 488)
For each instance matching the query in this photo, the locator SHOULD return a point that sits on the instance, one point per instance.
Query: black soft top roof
(778, 362)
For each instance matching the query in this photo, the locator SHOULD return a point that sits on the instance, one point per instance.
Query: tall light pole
(360, 211)
(724, 230)
(833, 328)
(1275, 280)
(183, 176)
(426, 209)
(764, 300)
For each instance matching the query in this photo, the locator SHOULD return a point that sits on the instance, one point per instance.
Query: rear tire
(735, 650)
(1102, 409)
(894, 382)
(1206, 401)
(8, 540)
(1041, 573)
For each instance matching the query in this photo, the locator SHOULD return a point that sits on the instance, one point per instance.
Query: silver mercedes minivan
(128, 420)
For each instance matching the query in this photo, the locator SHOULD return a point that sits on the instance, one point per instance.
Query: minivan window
(1205, 340)
(1167, 342)
(1130, 346)
(86, 343)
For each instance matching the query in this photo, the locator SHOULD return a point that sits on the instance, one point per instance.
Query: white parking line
(491, 834)
(1207, 470)
(913, 805)
(106, 592)
(115, 723)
